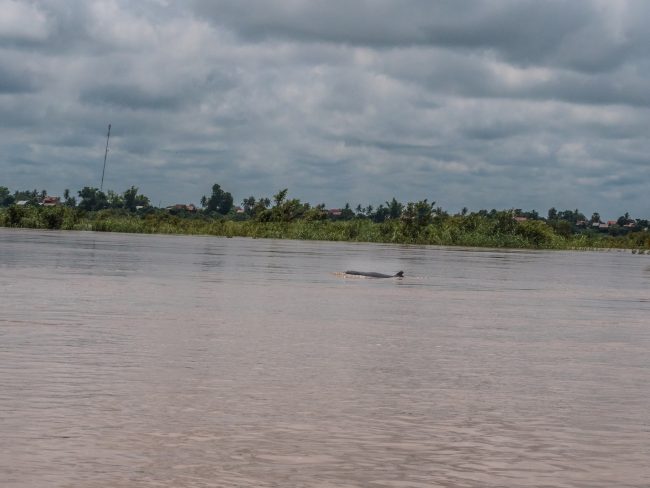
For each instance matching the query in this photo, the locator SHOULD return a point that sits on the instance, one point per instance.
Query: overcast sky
(492, 104)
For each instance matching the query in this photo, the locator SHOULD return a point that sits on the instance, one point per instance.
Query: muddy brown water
(175, 361)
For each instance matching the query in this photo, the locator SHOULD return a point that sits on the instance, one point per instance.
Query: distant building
(335, 212)
(51, 201)
(189, 207)
(521, 219)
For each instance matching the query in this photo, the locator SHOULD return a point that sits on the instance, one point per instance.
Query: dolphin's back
(372, 274)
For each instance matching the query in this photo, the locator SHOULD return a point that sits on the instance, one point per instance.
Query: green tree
(6, 198)
(92, 199)
(571, 216)
(53, 217)
(316, 213)
(562, 228)
(115, 200)
(132, 199)
(395, 209)
(220, 201)
(529, 214)
(287, 210)
(347, 213)
(248, 204)
(419, 214)
(30, 196)
(261, 206)
(440, 212)
(623, 219)
(15, 215)
(536, 232)
(381, 214)
(504, 222)
(129, 197)
(69, 201)
(280, 197)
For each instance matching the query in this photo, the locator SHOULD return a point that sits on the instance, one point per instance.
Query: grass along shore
(500, 231)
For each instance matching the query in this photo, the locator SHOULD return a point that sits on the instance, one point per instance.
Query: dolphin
(372, 274)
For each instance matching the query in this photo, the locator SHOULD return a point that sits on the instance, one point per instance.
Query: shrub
(52, 217)
(535, 232)
(15, 215)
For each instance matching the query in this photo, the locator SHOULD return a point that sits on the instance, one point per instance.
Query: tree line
(280, 208)
(417, 222)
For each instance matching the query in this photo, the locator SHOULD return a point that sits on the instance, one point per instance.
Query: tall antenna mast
(101, 187)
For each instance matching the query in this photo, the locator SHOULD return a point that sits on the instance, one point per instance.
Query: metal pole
(101, 187)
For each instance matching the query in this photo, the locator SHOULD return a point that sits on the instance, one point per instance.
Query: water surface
(168, 361)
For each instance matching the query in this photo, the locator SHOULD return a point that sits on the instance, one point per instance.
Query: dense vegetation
(280, 217)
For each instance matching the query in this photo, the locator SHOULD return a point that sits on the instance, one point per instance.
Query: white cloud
(22, 21)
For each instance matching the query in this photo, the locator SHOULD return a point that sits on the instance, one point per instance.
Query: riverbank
(472, 230)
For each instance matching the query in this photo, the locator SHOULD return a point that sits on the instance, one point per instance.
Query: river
(177, 361)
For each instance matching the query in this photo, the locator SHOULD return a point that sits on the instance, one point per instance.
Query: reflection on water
(131, 360)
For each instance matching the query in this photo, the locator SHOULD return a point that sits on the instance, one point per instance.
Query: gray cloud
(481, 104)
(580, 34)
(131, 97)
(12, 82)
